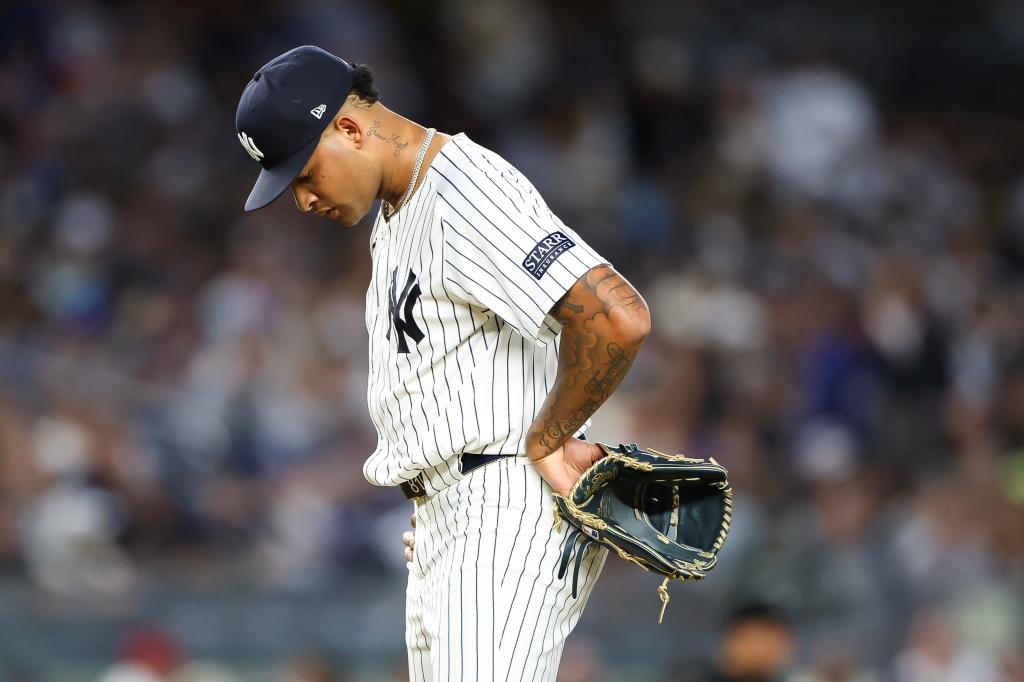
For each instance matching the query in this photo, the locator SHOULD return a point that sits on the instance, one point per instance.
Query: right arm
(604, 322)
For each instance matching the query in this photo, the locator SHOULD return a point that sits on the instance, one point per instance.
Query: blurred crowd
(823, 207)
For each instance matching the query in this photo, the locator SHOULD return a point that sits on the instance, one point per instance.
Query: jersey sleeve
(504, 249)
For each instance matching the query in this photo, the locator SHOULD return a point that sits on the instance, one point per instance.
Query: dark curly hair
(362, 84)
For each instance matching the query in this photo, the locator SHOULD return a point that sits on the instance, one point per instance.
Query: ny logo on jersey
(401, 306)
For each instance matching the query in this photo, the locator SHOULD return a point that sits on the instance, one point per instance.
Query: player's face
(338, 182)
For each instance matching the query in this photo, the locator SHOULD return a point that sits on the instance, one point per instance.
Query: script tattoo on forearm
(592, 362)
(618, 363)
(391, 139)
(558, 427)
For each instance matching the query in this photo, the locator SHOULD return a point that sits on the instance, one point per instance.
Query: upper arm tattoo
(598, 293)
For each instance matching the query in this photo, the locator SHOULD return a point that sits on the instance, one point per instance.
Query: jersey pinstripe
(483, 601)
(461, 346)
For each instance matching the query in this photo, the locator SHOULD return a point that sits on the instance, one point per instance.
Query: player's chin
(349, 217)
(337, 216)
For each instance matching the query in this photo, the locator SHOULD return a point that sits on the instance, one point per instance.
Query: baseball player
(495, 333)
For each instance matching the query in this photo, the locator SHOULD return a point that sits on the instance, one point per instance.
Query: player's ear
(349, 129)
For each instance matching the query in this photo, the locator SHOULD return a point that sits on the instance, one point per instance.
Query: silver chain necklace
(386, 208)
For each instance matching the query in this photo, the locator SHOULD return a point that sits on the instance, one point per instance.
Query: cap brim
(272, 182)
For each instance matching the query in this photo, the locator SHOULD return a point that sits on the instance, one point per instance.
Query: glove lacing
(572, 542)
(568, 545)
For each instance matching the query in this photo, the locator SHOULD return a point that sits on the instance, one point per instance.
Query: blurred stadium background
(822, 202)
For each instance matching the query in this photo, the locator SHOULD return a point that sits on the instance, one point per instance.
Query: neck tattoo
(386, 208)
(391, 139)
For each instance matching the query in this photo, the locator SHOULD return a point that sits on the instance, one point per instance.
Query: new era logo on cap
(319, 111)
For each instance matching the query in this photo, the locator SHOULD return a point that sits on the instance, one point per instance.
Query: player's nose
(304, 199)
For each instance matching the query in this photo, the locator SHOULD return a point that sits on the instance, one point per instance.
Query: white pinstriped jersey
(461, 352)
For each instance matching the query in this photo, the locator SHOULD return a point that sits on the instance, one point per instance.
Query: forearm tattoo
(593, 356)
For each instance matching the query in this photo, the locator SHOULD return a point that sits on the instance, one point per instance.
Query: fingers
(593, 451)
(409, 540)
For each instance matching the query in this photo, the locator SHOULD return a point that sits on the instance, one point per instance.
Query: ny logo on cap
(250, 146)
(318, 111)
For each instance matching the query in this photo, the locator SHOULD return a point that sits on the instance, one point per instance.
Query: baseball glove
(667, 513)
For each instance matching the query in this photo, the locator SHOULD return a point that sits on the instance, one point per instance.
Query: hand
(563, 467)
(409, 538)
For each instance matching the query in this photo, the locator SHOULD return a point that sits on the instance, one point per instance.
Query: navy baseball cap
(283, 111)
